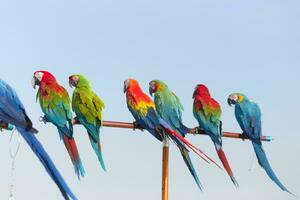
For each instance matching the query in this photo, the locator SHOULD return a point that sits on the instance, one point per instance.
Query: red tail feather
(192, 147)
(72, 148)
(226, 165)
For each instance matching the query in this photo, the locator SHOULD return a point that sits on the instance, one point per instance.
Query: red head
(201, 90)
(130, 84)
(42, 77)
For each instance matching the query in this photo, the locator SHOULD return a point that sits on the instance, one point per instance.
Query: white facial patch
(39, 75)
(234, 97)
(126, 83)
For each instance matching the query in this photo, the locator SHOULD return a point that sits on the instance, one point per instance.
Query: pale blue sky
(231, 46)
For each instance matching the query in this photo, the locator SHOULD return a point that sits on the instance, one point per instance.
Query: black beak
(35, 82)
(71, 84)
(230, 102)
(125, 88)
(194, 94)
(151, 90)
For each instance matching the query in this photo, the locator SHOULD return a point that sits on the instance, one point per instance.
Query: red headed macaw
(207, 111)
(88, 108)
(248, 116)
(56, 105)
(169, 108)
(143, 110)
(12, 111)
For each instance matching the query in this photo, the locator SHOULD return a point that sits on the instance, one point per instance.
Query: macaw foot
(75, 121)
(198, 130)
(136, 126)
(43, 119)
(243, 138)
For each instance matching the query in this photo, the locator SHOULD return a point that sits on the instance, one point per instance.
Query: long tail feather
(98, 150)
(226, 165)
(74, 155)
(189, 164)
(182, 139)
(264, 163)
(43, 156)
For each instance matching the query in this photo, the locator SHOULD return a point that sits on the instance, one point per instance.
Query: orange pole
(193, 131)
(127, 125)
(165, 170)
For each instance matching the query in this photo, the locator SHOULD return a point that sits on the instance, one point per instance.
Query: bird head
(130, 83)
(42, 77)
(235, 98)
(77, 80)
(74, 80)
(201, 90)
(156, 85)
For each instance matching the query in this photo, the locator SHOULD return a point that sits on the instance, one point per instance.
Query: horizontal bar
(113, 124)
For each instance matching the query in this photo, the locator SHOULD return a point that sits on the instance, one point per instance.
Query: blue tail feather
(263, 161)
(190, 166)
(97, 148)
(42, 155)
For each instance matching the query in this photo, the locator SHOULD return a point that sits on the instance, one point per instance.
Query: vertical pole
(165, 170)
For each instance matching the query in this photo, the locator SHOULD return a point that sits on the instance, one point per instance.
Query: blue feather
(248, 115)
(264, 163)
(42, 155)
(12, 111)
(94, 136)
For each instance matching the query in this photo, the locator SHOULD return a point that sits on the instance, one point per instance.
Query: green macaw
(169, 108)
(88, 109)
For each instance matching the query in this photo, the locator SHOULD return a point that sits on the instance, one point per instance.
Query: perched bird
(143, 110)
(12, 111)
(207, 112)
(56, 105)
(169, 108)
(248, 116)
(88, 108)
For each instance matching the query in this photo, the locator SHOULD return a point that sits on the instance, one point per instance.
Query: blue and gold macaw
(248, 116)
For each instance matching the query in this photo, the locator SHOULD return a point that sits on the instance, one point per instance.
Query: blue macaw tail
(43, 156)
(264, 163)
(98, 150)
(189, 164)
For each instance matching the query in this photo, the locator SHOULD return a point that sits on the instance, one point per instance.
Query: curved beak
(35, 82)
(151, 90)
(73, 81)
(125, 88)
(194, 94)
(230, 102)
(71, 84)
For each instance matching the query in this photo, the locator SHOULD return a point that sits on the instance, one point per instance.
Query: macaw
(169, 108)
(56, 106)
(248, 116)
(207, 112)
(143, 110)
(13, 112)
(88, 108)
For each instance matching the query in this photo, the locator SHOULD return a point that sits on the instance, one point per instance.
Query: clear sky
(231, 46)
